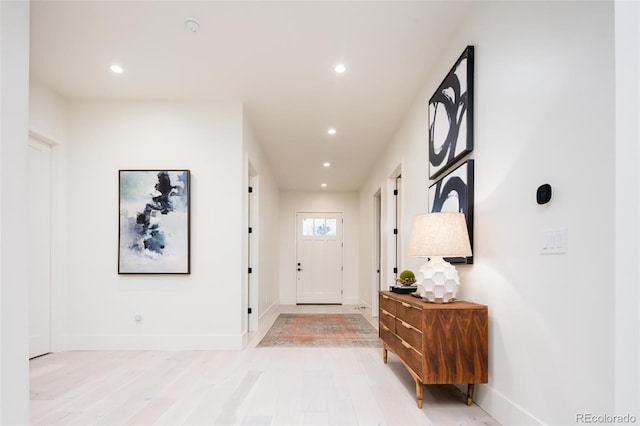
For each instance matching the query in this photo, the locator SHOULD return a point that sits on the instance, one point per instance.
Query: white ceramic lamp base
(440, 281)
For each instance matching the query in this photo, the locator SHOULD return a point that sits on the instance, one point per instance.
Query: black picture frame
(454, 193)
(451, 116)
(154, 228)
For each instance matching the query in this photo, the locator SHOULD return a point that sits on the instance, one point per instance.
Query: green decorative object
(406, 277)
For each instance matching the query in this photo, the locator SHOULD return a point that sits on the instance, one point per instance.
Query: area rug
(321, 330)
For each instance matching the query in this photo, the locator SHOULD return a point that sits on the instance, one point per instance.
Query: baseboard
(350, 301)
(267, 311)
(500, 407)
(245, 339)
(367, 304)
(152, 342)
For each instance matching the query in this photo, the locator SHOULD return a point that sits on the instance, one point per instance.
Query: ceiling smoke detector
(192, 25)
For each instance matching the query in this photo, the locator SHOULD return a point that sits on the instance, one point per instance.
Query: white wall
(627, 184)
(292, 202)
(395, 212)
(14, 125)
(268, 228)
(48, 115)
(197, 311)
(544, 113)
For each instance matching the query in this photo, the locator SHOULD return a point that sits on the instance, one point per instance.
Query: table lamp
(438, 235)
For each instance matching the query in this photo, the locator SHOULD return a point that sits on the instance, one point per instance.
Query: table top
(425, 304)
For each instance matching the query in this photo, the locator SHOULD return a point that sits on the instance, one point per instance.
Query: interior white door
(39, 246)
(319, 258)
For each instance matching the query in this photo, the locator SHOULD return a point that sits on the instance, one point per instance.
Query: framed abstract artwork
(154, 229)
(451, 116)
(454, 193)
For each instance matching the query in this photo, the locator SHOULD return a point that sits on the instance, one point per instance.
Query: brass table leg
(470, 393)
(419, 394)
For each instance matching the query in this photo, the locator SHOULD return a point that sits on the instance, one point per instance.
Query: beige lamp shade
(442, 234)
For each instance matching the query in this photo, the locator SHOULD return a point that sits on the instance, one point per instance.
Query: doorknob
(299, 269)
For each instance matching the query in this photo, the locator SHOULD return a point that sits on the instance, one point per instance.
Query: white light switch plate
(554, 241)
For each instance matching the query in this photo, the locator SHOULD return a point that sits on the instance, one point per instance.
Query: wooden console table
(437, 343)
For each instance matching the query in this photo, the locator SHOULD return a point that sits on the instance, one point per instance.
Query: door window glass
(319, 226)
(331, 225)
(307, 226)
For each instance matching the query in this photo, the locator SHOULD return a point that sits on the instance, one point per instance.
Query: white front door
(39, 248)
(319, 258)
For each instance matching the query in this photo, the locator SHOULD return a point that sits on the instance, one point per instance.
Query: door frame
(253, 239)
(59, 208)
(391, 215)
(377, 251)
(59, 199)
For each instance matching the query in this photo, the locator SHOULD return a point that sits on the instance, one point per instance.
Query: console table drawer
(387, 304)
(409, 314)
(409, 334)
(388, 320)
(411, 357)
(388, 337)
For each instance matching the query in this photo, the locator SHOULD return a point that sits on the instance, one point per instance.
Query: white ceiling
(276, 56)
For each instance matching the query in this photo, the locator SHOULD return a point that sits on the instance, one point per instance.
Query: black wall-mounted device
(543, 195)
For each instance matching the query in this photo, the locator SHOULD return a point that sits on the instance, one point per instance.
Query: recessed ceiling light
(192, 25)
(324, 185)
(326, 164)
(117, 69)
(340, 68)
(331, 131)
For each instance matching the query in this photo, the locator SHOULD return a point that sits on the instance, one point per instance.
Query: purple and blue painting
(154, 222)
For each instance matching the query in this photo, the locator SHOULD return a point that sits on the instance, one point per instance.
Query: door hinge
(395, 192)
(250, 310)
(250, 270)
(250, 230)
(395, 270)
(250, 190)
(395, 231)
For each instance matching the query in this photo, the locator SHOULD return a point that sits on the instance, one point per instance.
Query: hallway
(255, 386)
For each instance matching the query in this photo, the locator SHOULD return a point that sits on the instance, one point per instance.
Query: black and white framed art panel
(451, 116)
(154, 223)
(454, 193)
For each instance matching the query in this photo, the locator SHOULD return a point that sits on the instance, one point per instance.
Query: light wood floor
(255, 386)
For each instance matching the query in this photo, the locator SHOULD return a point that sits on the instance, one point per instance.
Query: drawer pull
(405, 325)
(406, 345)
(385, 297)
(384, 326)
(386, 313)
(406, 305)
